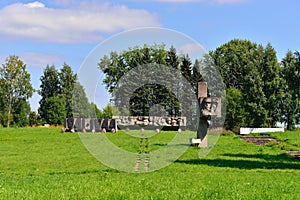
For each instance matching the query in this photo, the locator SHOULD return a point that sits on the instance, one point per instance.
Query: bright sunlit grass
(42, 163)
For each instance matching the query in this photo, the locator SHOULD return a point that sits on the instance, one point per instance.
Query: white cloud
(85, 23)
(205, 1)
(33, 59)
(35, 4)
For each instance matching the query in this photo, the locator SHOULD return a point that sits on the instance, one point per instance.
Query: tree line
(161, 87)
(62, 96)
(260, 90)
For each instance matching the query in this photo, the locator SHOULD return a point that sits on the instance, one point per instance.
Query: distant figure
(103, 130)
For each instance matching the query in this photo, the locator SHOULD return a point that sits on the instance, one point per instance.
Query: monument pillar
(202, 132)
(209, 106)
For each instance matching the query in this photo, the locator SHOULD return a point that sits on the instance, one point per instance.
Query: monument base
(200, 143)
(204, 143)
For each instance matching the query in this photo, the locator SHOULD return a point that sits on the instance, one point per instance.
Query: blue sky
(57, 31)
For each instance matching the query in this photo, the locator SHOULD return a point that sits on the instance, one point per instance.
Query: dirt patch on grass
(264, 140)
(259, 140)
(296, 154)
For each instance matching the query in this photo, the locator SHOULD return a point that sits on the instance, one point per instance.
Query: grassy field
(42, 163)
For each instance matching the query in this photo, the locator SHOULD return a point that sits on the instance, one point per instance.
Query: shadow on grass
(159, 144)
(163, 145)
(267, 157)
(92, 171)
(246, 161)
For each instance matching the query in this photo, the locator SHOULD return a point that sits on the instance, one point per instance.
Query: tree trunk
(9, 110)
(8, 116)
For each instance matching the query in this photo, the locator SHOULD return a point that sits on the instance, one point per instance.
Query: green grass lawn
(42, 163)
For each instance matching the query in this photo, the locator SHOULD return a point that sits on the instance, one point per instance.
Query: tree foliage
(33, 118)
(15, 87)
(260, 90)
(255, 72)
(21, 112)
(291, 101)
(272, 85)
(54, 110)
(50, 87)
(67, 80)
(80, 103)
(235, 114)
(95, 111)
(64, 85)
(109, 111)
(116, 65)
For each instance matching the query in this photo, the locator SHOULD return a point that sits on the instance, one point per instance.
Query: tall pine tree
(50, 87)
(291, 102)
(67, 81)
(272, 85)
